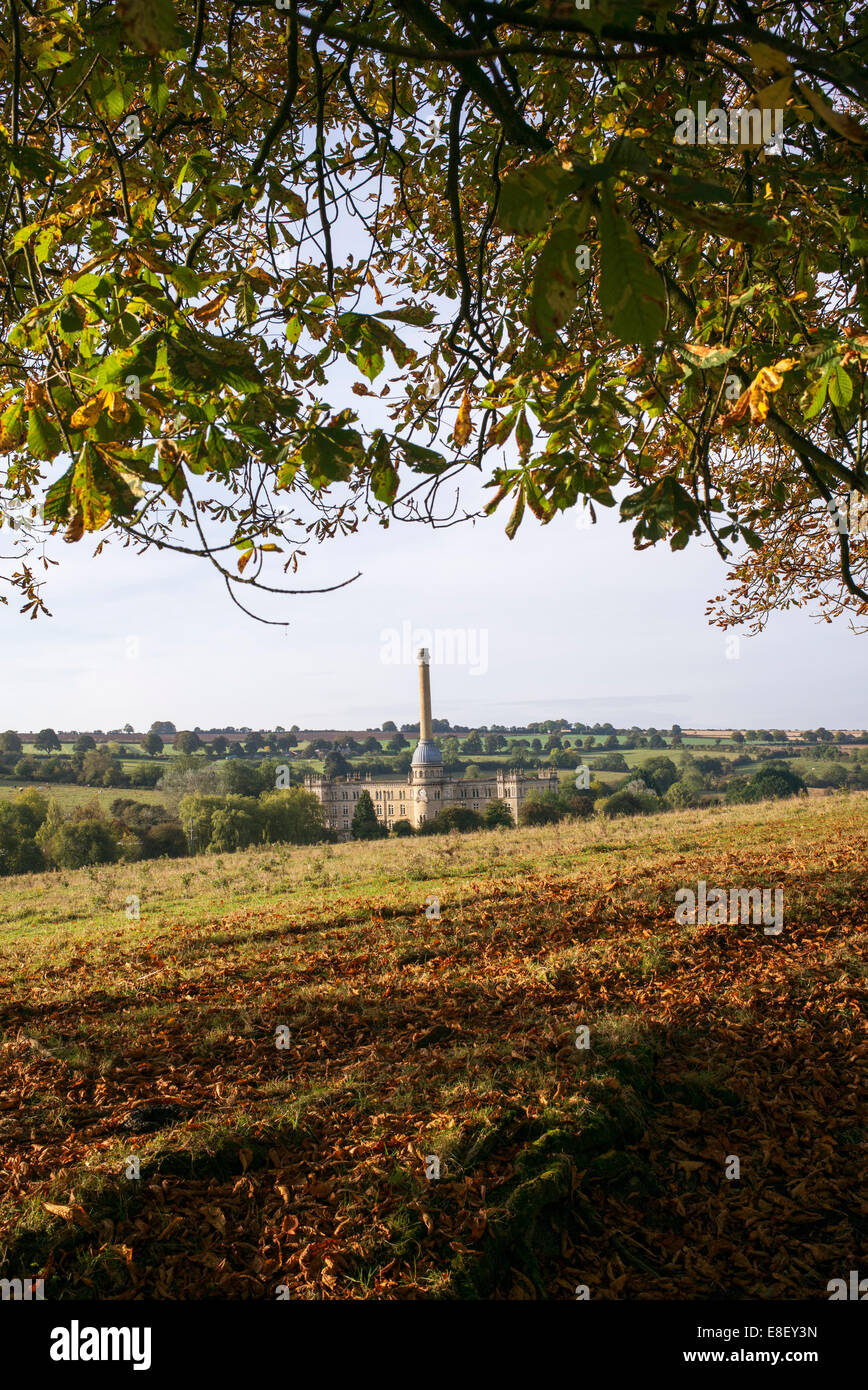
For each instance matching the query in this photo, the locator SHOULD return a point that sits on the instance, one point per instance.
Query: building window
(345, 796)
(391, 812)
(403, 810)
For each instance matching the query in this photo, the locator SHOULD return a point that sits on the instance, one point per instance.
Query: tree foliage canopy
(218, 213)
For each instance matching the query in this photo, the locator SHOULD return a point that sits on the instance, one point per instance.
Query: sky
(561, 622)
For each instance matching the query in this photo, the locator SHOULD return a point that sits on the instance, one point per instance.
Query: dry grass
(305, 1166)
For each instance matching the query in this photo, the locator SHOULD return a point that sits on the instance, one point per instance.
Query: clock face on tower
(422, 794)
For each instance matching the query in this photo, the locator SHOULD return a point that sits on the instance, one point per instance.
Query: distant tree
(624, 803)
(562, 758)
(19, 852)
(76, 843)
(292, 816)
(244, 779)
(372, 745)
(47, 741)
(494, 742)
(365, 824)
(166, 840)
(536, 745)
(576, 802)
(659, 773)
(738, 737)
(497, 813)
(611, 762)
(253, 743)
(460, 818)
(220, 745)
(553, 741)
(163, 726)
(681, 795)
(335, 765)
(186, 741)
(95, 765)
(402, 828)
(656, 741)
(152, 744)
(10, 742)
(611, 741)
(396, 744)
(542, 809)
(777, 782)
(234, 825)
(85, 743)
(389, 727)
(472, 745)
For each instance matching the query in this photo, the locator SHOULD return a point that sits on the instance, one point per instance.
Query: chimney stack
(424, 693)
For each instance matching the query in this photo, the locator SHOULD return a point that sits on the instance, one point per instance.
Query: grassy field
(415, 1038)
(68, 796)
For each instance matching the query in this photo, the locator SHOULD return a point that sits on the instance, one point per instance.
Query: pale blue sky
(575, 622)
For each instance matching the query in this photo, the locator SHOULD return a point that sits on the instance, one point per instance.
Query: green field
(415, 1037)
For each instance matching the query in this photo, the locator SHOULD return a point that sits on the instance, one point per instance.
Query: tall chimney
(424, 693)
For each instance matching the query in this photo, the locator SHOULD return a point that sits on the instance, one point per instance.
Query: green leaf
(530, 195)
(329, 455)
(43, 437)
(148, 25)
(840, 387)
(420, 459)
(417, 315)
(816, 402)
(631, 291)
(384, 474)
(560, 271)
(247, 308)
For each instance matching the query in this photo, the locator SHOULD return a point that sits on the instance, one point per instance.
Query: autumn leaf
(463, 427)
(206, 313)
(87, 415)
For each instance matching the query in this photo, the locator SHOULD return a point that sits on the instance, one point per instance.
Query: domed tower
(427, 765)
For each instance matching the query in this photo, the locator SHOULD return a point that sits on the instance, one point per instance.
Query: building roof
(427, 752)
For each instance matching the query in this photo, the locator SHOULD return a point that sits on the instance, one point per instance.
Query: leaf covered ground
(300, 1171)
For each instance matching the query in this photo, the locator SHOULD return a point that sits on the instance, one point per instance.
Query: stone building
(426, 789)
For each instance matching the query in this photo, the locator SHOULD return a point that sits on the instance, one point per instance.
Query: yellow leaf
(151, 402)
(244, 560)
(763, 56)
(87, 415)
(118, 409)
(463, 428)
(786, 364)
(767, 379)
(59, 1209)
(775, 95)
(838, 121)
